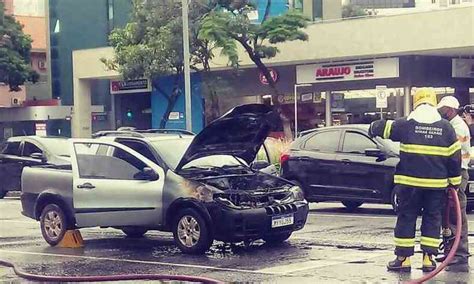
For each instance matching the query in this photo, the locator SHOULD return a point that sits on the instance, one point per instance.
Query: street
(335, 246)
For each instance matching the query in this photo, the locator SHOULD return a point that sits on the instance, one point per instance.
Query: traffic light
(129, 114)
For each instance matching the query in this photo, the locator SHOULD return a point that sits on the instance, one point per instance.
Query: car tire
(134, 232)
(394, 200)
(191, 232)
(277, 238)
(53, 223)
(352, 205)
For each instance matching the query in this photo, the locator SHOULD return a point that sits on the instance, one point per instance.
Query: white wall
(35, 8)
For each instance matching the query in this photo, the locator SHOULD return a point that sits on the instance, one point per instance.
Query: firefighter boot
(428, 263)
(400, 264)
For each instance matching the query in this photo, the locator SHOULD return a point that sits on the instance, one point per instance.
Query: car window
(357, 143)
(326, 141)
(12, 148)
(140, 148)
(30, 148)
(114, 163)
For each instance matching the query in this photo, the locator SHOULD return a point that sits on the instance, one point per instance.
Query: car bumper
(234, 225)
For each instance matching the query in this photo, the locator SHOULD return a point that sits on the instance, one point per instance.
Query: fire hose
(121, 277)
(457, 239)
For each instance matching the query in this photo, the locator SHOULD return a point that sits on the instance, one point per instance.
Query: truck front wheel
(53, 224)
(191, 233)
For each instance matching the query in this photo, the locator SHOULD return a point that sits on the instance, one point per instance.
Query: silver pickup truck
(198, 187)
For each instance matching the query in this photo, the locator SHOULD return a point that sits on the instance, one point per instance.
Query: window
(12, 148)
(140, 148)
(99, 161)
(327, 141)
(357, 143)
(30, 148)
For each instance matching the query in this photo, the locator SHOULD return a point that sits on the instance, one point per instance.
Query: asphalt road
(335, 246)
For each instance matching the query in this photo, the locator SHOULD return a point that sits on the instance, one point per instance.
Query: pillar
(82, 111)
(462, 94)
(407, 101)
(328, 109)
(399, 103)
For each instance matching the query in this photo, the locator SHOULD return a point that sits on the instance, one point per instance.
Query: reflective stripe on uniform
(429, 242)
(388, 129)
(421, 182)
(430, 150)
(455, 180)
(404, 242)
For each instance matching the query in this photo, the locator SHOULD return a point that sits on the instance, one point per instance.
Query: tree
(151, 45)
(352, 11)
(229, 26)
(15, 49)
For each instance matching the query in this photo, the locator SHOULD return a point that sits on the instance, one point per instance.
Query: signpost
(381, 99)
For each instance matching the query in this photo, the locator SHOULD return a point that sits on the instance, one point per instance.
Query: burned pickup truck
(202, 188)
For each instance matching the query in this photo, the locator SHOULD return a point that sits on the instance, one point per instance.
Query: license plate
(282, 220)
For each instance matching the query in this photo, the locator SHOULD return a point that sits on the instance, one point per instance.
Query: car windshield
(56, 146)
(173, 150)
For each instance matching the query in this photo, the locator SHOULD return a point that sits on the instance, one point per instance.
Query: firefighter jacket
(430, 154)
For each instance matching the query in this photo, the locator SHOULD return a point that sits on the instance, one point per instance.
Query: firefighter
(429, 163)
(448, 107)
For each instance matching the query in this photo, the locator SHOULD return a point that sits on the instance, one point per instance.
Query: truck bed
(45, 180)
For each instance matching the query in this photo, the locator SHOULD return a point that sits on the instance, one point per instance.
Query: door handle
(86, 186)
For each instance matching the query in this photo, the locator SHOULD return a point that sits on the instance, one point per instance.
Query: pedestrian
(448, 107)
(430, 156)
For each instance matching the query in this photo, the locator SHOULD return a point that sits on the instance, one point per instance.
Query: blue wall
(159, 104)
(277, 8)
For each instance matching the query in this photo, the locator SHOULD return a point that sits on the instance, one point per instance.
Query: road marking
(139, 261)
(312, 264)
(18, 221)
(20, 242)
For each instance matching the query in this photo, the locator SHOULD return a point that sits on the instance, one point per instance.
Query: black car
(344, 164)
(22, 151)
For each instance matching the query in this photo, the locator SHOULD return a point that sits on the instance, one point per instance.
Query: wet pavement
(335, 246)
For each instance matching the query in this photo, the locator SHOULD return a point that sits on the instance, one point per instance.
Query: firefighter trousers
(412, 202)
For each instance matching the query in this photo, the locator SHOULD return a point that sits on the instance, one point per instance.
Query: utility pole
(187, 69)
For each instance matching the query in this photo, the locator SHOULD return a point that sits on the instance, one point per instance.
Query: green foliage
(352, 11)
(229, 28)
(151, 44)
(15, 48)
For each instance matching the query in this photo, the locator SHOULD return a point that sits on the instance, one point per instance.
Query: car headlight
(298, 194)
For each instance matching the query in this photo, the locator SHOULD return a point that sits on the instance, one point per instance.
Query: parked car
(344, 164)
(22, 151)
(198, 187)
(139, 140)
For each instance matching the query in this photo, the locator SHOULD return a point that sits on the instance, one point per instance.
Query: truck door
(115, 186)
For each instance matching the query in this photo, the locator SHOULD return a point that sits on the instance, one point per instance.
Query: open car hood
(240, 133)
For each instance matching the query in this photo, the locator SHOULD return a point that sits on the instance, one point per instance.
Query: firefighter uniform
(430, 159)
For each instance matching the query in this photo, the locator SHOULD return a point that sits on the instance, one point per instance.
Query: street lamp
(296, 105)
(187, 69)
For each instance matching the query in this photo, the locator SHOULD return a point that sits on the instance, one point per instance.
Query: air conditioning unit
(16, 102)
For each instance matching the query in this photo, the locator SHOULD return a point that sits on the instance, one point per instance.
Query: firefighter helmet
(425, 96)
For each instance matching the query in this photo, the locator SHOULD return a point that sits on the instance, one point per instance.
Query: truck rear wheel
(191, 233)
(53, 224)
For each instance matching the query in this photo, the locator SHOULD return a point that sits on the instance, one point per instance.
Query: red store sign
(264, 80)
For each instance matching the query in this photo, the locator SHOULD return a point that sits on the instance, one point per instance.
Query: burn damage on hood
(239, 133)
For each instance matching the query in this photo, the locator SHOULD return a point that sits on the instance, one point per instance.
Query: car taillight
(284, 157)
